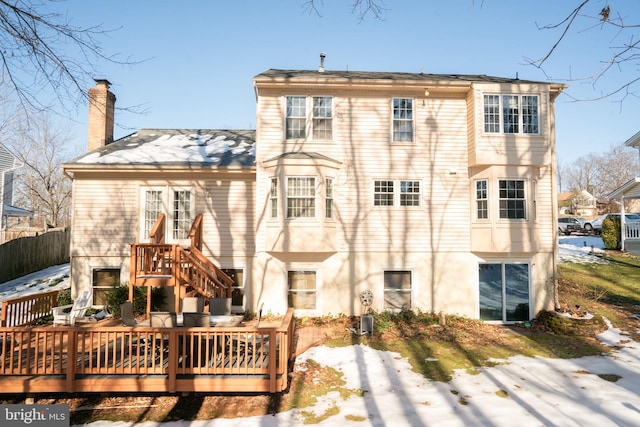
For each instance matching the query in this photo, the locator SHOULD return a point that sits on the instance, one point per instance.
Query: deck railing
(28, 309)
(144, 359)
(632, 230)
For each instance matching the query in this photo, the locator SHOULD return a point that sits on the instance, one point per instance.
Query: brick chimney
(101, 106)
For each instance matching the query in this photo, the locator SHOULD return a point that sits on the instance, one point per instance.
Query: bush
(64, 297)
(119, 294)
(611, 236)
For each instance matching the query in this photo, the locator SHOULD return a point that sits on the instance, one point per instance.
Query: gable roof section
(8, 161)
(176, 147)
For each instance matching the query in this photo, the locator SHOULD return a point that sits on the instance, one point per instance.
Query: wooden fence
(28, 309)
(28, 254)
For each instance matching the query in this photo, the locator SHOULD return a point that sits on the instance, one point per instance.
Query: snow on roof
(177, 147)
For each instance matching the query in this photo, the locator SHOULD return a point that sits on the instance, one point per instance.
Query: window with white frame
(273, 198)
(397, 290)
(328, 198)
(302, 293)
(405, 193)
(237, 288)
(402, 120)
(319, 125)
(511, 114)
(512, 200)
(409, 193)
(175, 203)
(301, 197)
(482, 199)
(383, 193)
(296, 117)
(322, 122)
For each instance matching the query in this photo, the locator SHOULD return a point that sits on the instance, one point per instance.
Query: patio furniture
(71, 313)
(220, 306)
(190, 320)
(192, 305)
(163, 319)
(128, 318)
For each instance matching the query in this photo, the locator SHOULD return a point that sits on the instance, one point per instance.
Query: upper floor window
(512, 201)
(298, 124)
(322, 118)
(301, 197)
(482, 199)
(402, 119)
(511, 113)
(328, 198)
(273, 198)
(383, 193)
(409, 193)
(175, 203)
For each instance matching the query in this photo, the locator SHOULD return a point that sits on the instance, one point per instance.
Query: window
(102, 281)
(152, 210)
(181, 214)
(511, 113)
(301, 197)
(322, 118)
(511, 199)
(302, 289)
(482, 204)
(328, 198)
(237, 288)
(175, 203)
(273, 198)
(504, 292)
(397, 290)
(409, 193)
(296, 117)
(402, 119)
(298, 125)
(383, 193)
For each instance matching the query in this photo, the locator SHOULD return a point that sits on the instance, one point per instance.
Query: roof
(628, 190)
(289, 75)
(176, 147)
(634, 141)
(13, 211)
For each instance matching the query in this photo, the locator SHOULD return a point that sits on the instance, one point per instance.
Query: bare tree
(624, 46)
(43, 55)
(40, 184)
(360, 8)
(602, 173)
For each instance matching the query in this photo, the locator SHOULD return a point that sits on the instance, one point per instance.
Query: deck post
(72, 359)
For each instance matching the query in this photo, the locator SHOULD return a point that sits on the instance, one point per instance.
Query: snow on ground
(521, 391)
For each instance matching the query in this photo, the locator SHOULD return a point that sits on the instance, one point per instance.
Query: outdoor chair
(192, 305)
(190, 320)
(71, 313)
(220, 306)
(128, 318)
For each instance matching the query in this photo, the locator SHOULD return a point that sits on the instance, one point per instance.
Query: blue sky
(199, 57)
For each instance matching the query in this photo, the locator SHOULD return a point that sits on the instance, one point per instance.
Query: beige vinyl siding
(106, 219)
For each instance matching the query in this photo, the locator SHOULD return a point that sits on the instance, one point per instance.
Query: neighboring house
(581, 203)
(8, 164)
(434, 192)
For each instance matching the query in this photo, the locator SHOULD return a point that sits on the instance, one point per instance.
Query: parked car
(596, 224)
(570, 224)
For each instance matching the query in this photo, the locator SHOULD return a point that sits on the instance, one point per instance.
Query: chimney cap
(322, 56)
(102, 82)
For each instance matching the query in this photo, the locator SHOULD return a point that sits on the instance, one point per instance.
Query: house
(579, 202)
(433, 192)
(8, 164)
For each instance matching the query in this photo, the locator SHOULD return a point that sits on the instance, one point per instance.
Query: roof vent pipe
(322, 56)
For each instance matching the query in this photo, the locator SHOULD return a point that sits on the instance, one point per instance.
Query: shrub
(611, 236)
(119, 294)
(64, 297)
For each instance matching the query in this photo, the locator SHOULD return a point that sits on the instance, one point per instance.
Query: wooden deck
(101, 358)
